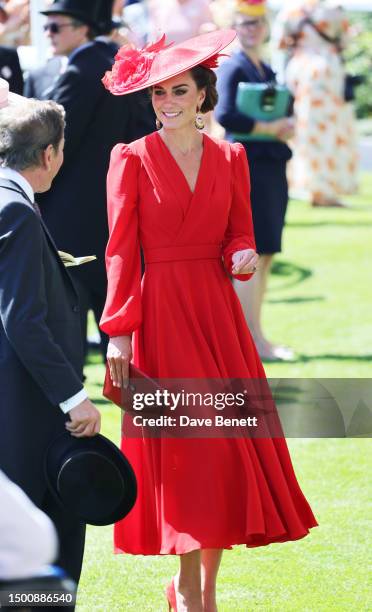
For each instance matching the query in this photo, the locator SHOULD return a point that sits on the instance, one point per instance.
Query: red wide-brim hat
(136, 69)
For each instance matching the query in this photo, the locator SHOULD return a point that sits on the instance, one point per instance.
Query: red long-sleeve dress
(187, 323)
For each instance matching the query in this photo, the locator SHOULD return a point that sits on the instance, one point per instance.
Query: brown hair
(206, 79)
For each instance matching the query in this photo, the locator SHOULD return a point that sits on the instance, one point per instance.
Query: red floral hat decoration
(136, 69)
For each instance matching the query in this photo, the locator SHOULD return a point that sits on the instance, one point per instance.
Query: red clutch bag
(129, 399)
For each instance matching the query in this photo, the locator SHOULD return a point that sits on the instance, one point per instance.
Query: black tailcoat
(41, 357)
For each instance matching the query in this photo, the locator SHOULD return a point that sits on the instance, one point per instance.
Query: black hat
(84, 10)
(106, 22)
(91, 478)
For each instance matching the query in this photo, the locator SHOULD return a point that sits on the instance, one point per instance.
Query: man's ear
(46, 156)
(86, 30)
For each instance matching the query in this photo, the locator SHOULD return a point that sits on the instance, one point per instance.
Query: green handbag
(261, 102)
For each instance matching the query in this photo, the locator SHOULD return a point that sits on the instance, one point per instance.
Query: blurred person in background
(324, 164)
(137, 22)
(267, 160)
(15, 22)
(110, 40)
(75, 207)
(14, 31)
(179, 19)
(38, 82)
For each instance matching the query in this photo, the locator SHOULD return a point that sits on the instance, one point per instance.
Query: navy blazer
(235, 70)
(41, 353)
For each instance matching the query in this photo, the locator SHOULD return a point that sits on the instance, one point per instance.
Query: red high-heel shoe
(170, 593)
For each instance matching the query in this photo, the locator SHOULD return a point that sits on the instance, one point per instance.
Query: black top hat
(91, 478)
(104, 17)
(84, 10)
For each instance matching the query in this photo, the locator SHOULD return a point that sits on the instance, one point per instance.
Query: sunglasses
(250, 24)
(55, 28)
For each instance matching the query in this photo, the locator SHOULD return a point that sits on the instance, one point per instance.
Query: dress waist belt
(183, 253)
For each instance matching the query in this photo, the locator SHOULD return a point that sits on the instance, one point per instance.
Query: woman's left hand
(244, 262)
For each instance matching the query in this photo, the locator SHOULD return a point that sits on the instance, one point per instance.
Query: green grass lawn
(318, 303)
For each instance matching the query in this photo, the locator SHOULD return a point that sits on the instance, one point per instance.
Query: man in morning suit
(41, 353)
(75, 208)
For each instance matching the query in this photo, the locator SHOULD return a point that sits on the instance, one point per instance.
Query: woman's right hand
(279, 128)
(283, 128)
(119, 356)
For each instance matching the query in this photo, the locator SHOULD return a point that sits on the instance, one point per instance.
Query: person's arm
(239, 235)
(226, 112)
(122, 312)
(23, 304)
(228, 115)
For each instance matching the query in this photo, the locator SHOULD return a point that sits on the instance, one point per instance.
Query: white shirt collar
(12, 175)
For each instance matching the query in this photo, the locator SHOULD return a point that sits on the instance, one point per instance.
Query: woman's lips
(170, 115)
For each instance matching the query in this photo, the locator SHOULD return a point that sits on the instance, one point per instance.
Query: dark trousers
(71, 535)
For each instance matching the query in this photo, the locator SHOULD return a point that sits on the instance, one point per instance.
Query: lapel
(12, 186)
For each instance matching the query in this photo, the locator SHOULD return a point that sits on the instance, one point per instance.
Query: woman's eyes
(177, 92)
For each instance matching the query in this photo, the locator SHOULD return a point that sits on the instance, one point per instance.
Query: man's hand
(85, 420)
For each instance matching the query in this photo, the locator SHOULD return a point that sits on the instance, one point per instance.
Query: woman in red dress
(184, 198)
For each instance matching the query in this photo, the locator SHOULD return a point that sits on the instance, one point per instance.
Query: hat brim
(181, 57)
(71, 13)
(63, 458)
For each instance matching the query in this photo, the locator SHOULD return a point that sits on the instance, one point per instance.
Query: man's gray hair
(26, 129)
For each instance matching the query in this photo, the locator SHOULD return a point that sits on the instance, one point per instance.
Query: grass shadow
(297, 300)
(301, 358)
(290, 272)
(346, 223)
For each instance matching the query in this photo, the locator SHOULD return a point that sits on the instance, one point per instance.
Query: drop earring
(158, 124)
(199, 121)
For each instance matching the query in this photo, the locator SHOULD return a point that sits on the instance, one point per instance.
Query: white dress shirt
(12, 175)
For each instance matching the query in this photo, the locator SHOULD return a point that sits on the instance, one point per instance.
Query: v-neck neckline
(202, 160)
(261, 75)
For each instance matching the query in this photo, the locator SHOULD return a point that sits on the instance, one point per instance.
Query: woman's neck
(185, 140)
(254, 54)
